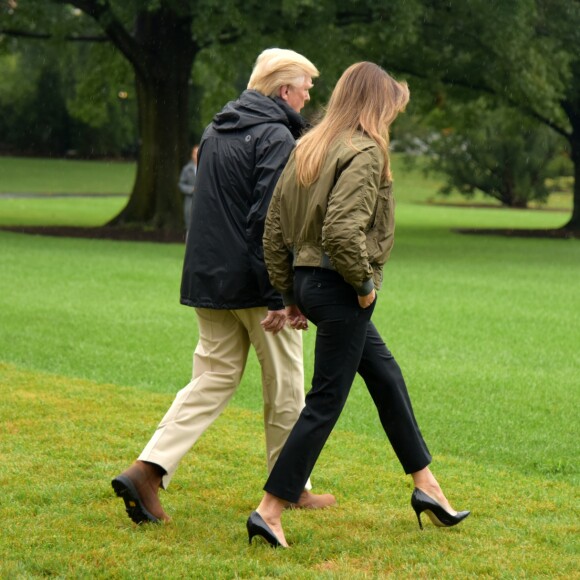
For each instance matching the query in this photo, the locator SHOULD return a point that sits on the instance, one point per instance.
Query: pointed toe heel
(258, 527)
(421, 502)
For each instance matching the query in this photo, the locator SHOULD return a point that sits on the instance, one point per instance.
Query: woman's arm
(277, 256)
(351, 206)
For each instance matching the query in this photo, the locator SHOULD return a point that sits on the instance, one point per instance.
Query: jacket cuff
(288, 298)
(366, 288)
(275, 304)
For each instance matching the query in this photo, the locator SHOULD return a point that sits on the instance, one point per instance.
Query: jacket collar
(296, 122)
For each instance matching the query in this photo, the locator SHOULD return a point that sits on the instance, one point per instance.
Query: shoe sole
(125, 489)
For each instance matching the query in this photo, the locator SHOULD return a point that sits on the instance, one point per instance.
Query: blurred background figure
(187, 185)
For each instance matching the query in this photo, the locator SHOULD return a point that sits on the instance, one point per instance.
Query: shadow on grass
(147, 234)
(120, 234)
(553, 233)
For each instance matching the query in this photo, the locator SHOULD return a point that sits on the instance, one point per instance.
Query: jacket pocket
(380, 236)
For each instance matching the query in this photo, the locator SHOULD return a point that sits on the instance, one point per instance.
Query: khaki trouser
(219, 361)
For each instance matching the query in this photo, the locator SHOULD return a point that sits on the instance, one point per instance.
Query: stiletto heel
(421, 502)
(258, 527)
(419, 518)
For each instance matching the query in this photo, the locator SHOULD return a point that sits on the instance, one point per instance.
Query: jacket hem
(225, 306)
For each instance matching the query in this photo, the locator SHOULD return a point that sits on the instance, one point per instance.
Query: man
(241, 156)
(187, 185)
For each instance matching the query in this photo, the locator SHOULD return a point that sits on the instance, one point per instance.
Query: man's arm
(271, 157)
(272, 153)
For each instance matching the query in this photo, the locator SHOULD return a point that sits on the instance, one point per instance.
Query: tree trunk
(162, 97)
(574, 223)
(571, 107)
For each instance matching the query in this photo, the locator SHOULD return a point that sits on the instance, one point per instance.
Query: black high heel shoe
(258, 527)
(421, 502)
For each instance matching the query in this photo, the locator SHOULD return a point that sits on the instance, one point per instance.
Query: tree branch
(103, 14)
(223, 39)
(46, 36)
(534, 114)
(481, 88)
(347, 18)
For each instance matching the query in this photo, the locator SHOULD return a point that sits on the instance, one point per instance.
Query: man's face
(298, 96)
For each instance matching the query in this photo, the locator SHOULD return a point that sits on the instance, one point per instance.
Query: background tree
(499, 152)
(161, 40)
(522, 52)
(58, 102)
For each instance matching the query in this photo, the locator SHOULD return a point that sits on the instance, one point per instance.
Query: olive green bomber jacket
(343, 221)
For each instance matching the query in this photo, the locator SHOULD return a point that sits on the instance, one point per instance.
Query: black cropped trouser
(347, 342)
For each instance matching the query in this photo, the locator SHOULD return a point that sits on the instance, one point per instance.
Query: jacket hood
(252, 108)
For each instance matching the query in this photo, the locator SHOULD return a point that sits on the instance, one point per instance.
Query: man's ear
(283, 92)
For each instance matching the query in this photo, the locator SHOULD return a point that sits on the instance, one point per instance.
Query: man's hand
(366, 301)
(296, 319)
(274, 321)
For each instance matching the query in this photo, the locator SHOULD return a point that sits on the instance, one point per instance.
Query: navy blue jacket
(240, 158)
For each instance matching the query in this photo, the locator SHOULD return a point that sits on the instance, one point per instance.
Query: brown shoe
(309, 500)
(139, 486)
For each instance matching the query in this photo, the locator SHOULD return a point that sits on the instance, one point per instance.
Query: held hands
(296, 319)
(276, 319)
(366, 301)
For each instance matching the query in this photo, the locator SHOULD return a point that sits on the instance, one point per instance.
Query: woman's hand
(366, 301)
(296, 319)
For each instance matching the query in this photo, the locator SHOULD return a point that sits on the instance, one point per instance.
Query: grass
(57, 182)
(58, 176)
(416, 186)
(59, 211)
(94, 345)
(62, 518)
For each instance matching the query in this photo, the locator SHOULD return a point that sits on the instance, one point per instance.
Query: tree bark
(574, 222)
(162, 87)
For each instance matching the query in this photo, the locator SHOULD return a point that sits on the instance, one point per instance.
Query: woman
(328, 234)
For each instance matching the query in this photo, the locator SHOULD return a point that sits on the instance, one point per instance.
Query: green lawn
(104, 186)
(53, 176)
(94, 345)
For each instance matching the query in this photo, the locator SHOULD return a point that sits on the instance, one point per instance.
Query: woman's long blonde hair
(365, 98)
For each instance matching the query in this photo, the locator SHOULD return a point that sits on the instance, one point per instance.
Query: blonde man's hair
(277, 67)
(365, 99)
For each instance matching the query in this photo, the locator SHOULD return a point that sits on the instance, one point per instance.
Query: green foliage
(33, 115)
(62, 96)
(222, 74)
(522, 52)
(66, 101)
(15, 86)
(98, 75)
(519, 50)
(498, 152)
(491, 47)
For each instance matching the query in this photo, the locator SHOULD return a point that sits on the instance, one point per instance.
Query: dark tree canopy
(522, 52)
